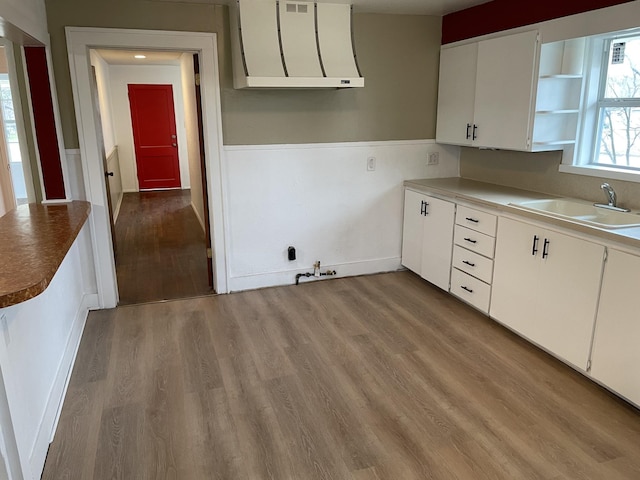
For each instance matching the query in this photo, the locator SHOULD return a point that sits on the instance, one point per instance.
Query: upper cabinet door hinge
(606, 254)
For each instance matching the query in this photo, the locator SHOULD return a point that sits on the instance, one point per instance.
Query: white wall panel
(37, 350)
(321, 199)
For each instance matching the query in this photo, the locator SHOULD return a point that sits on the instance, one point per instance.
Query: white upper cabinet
(456, 94)
(510, 92)
(487, 90)
(505, 91)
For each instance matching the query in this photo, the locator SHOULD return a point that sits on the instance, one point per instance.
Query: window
(11, 140)
(608, 144)
(617, 142)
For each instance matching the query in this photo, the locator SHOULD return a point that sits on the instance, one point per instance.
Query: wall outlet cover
(371, 164)
(433, 158)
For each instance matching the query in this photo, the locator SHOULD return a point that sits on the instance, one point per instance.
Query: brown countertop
(502, 198)
(34, 240)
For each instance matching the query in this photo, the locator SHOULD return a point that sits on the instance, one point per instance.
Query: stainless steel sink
(582, 213)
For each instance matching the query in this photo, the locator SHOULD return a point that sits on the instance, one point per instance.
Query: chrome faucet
(610, 193)
(611, 198)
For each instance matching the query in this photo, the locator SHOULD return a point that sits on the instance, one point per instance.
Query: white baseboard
(49, 423)
(116, 211)
(193, 207)
(288, 277)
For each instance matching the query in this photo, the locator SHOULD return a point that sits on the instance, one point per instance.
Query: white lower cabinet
(554, 289)
(470, 289)
(427, 239)
(546, 286)
(616, 348)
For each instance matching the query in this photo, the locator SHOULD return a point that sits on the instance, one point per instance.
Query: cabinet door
(515, 274)
(412, 231)
(456, 92)
(616, 355)
(437, 242)
(506, 82)
(570, 275)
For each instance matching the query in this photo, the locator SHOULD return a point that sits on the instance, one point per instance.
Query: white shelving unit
(559, 94)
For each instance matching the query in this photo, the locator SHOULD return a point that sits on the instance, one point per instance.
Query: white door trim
(79, 41)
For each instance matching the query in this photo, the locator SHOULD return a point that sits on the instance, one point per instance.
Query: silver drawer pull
(469, 263)
(466, 288)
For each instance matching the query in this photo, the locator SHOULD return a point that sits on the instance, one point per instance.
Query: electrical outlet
(371, 164)
(433, 158)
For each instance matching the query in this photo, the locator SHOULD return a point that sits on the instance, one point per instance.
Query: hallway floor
(161, 248)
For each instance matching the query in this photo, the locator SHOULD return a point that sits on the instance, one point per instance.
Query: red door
(154, 135)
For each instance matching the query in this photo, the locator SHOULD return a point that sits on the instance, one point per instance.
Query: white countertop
(500, 197)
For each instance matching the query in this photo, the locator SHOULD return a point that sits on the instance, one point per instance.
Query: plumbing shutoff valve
(316, 269)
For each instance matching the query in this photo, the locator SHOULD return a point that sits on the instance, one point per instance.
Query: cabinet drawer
(476, 220)
(476, 241)
(470, 289)
(472, 263)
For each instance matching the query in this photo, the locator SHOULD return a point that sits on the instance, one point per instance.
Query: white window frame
(597, 57)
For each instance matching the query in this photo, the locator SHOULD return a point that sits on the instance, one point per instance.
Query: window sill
(601, 172)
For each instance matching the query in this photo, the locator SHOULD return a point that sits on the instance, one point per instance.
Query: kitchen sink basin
(582, 212)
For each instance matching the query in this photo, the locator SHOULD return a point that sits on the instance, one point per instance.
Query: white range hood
(288, 44)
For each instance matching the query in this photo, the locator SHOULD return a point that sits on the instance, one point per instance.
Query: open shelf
(553, 112)
(556, 142)
(562, 75)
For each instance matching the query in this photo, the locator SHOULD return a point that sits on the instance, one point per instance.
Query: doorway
(152, 164)
(79, 41)
(13, 177)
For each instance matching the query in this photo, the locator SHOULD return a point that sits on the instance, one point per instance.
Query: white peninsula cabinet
(427, 238)
(487, 92)
(546, 286)
(616, 349)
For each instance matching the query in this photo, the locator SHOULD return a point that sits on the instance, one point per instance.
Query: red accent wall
(499, 15)
(44, 120)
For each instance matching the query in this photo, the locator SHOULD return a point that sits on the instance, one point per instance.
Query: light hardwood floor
(376, 377)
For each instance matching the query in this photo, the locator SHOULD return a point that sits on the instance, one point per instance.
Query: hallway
(161, 252)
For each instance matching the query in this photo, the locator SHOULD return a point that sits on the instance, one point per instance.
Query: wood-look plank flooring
(367, 378)
(161, 248)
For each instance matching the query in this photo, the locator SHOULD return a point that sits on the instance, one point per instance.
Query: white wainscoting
(321, 199)
(41, 339)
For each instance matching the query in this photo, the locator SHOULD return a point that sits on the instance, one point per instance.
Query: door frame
(79, 41)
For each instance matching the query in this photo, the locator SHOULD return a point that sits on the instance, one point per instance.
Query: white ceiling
(126, 57)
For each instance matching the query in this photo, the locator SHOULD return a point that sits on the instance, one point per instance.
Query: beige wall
(398, 56)
(539, 172)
